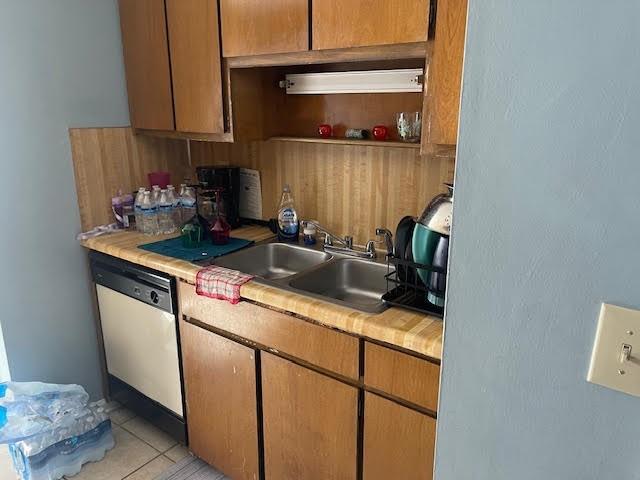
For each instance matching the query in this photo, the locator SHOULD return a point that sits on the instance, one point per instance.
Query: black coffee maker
(227, 179)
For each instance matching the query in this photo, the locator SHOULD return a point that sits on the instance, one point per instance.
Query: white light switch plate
(617, 327)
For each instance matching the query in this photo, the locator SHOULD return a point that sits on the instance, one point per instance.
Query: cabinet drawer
(401, 375)
(312, 343)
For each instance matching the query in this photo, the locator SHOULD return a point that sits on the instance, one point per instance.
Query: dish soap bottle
(288, 226)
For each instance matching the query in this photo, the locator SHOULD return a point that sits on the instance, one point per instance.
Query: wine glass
(221, 229)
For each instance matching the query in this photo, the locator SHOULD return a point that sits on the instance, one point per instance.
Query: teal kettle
(430, 244)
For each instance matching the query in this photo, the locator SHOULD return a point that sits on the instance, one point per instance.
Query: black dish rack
(406, 289)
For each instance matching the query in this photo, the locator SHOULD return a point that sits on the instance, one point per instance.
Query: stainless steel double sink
(338, 279)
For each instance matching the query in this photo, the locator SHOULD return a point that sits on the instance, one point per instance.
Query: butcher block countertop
(413, 331)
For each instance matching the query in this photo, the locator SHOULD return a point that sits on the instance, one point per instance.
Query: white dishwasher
(141, 341)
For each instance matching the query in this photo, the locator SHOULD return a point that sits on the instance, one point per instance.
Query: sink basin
(273, 261)
(353, 283)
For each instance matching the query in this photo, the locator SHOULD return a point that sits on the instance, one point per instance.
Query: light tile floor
(141, 453)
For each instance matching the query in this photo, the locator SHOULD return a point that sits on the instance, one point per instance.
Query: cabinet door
(310, 423)
(254, 27)
(398, 441)
(146, 59)
(445, 74)
(220, 388)
(359, 23)
(195, 65)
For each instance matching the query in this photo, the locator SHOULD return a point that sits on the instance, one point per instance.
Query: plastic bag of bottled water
(29, 408)
(63, 450)
(52, 429)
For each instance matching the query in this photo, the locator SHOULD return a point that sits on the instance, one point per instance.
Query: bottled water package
(52, 430)
(62, 451)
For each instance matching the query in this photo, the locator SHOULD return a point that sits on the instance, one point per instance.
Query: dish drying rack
(406, 289)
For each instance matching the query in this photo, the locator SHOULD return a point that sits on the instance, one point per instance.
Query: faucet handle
(387, 238)
(371, 248)
(348, 241)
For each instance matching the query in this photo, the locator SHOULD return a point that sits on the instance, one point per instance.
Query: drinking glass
(221, 229)
(409, 126)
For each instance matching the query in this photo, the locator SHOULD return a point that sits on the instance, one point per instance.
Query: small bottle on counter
(188, 204)
(149, 210)
(137, 208)
(309, 233)
(175, 201)
(165, 214)
(155, 194)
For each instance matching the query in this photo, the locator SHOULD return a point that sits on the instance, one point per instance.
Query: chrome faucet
(387, 239)
(345, 244)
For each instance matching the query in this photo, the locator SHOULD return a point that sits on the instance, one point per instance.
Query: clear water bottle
(155, 194)
(175, 201)
(149, 210)
(165, 213)
(188, 204)
(137, 208)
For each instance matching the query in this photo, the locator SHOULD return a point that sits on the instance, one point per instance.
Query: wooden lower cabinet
(398, 442)
(310, 423)
(220, 388)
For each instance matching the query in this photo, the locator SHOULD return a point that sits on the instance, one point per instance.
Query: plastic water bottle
(175, 201)
(149, 211)
(137, 209)
(188, 204)
(62, 450)
(165, 213)
(155, 194)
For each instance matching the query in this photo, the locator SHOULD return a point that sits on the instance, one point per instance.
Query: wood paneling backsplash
(107, 159)
(351, 189)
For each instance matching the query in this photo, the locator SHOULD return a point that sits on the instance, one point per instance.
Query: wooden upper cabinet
(255, 27)
(220, 388)
(146, 58)
(442, 105)
(398, 442)
(360, 23)
(310, 423)
(194, 42)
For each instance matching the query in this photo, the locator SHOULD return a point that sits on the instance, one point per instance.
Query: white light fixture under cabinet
(371, 81)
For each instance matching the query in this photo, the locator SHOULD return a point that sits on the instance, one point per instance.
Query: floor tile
(152, 469)
(129, 454)
(6, 465)
(112, 406)
(177, 453)
(121, 415)
(150, 434)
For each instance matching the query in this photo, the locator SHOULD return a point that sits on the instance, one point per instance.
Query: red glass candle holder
(380, 132)
(325, 130)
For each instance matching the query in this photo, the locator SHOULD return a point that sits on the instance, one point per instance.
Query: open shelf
(347, 141)
(418, 50)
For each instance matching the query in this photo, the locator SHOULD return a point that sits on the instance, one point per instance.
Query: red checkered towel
(221, 283)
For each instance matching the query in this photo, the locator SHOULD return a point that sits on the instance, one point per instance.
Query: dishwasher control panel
(148, 287)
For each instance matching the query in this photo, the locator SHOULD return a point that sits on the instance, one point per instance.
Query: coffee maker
(228, 180)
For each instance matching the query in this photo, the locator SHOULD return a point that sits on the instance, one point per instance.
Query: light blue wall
(60, 66)
(546, 226)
